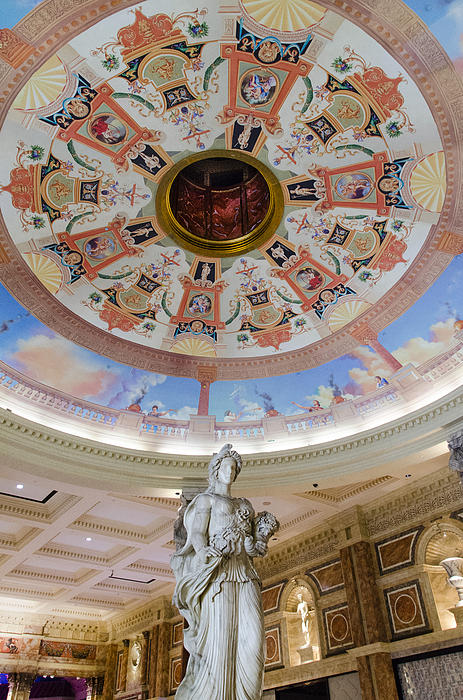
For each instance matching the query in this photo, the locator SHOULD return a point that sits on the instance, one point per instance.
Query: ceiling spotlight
(407, 476)
(19, 486)
(88, 539)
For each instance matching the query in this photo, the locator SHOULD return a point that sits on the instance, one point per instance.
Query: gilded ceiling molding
(54, 22)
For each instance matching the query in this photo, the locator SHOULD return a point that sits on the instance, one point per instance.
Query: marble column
(144, 659)
(367, 336)
(21, 686)
(125, 662)
(369, 630)
(99, 687)
(153, 661)
(162, 661)
(377, 680)
(109, 684)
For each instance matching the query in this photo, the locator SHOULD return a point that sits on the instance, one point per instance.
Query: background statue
(218, 589)
(303, 611)
(455, 444)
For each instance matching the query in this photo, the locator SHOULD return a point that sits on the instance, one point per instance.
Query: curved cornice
(394, 26)
(35, 449)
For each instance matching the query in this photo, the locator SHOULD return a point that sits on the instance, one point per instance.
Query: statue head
(226, 453)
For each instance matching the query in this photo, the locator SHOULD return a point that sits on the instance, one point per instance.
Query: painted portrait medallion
(354, 186)
(107, 128)
(309, 278)
(200, 305)
(258, 87)
(100, 247)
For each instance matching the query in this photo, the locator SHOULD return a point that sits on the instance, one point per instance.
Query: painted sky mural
(423, 331)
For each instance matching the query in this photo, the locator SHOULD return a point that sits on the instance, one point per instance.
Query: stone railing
(409, 388)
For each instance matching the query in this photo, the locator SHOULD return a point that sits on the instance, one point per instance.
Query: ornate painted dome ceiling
(253, 181)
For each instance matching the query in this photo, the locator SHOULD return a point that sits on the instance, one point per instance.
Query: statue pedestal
(457, 612)
(305, 654)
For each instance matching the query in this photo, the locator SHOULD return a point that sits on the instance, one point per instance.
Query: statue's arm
(200, 528)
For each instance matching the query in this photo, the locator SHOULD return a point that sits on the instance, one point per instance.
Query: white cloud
(60, 364)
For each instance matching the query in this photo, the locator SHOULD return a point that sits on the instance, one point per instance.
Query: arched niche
(298, 605)
(440, 541)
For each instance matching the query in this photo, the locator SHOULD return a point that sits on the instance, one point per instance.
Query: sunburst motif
(44, 87)
(45, 270)
(346, 312)
(427, 182)
(194, 346)
(284, 15)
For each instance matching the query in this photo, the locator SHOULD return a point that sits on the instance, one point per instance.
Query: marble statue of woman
(218, 589)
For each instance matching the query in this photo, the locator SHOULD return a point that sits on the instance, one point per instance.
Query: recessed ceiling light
(19, 486)
(88, 539)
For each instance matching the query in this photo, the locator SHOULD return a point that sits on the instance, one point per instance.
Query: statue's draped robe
(221, 601)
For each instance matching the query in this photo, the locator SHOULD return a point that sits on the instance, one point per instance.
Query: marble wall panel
(271, 597)
(337, 627)
(177, 634)
(327, 578)
(406, 610)
(397, 552)
(273, 652)
(175, 673)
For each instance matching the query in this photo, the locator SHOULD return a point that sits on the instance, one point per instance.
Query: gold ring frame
(221, 249)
